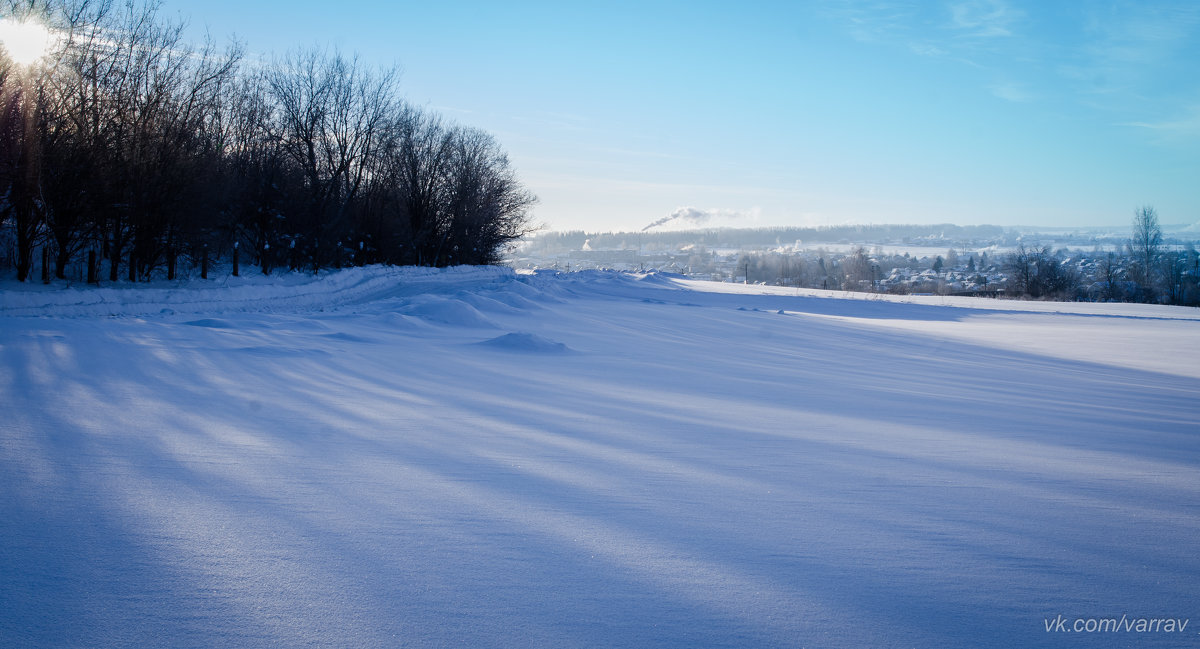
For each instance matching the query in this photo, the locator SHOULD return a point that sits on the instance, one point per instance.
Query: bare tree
(23, 107)
(1145, 247)
(262, 185)
(1172, 268)
(1110, 273)
(417, 168)
(20, 166)
(858, 269)
(487, 208)
(332, 115)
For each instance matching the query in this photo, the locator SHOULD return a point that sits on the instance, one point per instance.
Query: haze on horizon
(813, 113)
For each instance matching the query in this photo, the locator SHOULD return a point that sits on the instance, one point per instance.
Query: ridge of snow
(291, 292)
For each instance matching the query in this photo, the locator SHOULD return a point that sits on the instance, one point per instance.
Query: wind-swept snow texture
(480, 458)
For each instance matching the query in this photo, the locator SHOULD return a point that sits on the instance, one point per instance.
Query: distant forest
(738, 237)
(130, 151)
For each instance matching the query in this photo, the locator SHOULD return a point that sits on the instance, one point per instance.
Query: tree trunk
(24, 253)
(60, 263)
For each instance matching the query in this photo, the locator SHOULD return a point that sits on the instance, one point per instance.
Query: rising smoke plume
(697, 216)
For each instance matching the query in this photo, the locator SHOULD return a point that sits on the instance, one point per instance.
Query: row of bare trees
(1146, 270)
(130, 143)
(1147, 267)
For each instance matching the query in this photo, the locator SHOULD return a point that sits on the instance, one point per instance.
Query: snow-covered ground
(479, 458)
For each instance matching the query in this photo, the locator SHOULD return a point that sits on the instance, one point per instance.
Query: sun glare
(25, 42)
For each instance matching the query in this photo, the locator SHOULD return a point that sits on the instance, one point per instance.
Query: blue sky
(799, 113)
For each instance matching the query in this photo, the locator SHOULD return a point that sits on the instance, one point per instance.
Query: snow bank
(454, 311)
(253, 293)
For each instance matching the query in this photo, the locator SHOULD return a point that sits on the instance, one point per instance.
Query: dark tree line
(129, 144)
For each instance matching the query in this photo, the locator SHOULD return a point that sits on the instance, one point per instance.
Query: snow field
(474, 457)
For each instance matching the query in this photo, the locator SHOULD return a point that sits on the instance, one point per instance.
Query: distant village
(1080, 264)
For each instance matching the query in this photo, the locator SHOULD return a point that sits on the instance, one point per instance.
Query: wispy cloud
(927, 49)
(1125, 41)
(984, 18)
(872, 20)
(1135, 58)
(1185, 126)
(981, 34)
(927, 29)
(1138, 33)
(1011, 91)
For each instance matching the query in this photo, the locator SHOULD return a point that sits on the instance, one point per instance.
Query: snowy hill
(474, 457)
